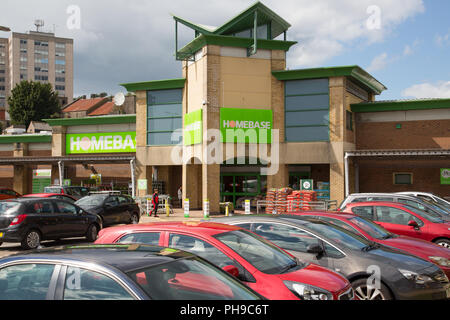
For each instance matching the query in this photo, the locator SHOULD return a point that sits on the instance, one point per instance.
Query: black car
(31, 220)
(116, 272)
(74, 191)
(112, 208)
(376, 272)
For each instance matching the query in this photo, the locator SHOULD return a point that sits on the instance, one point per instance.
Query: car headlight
(308, 292)
(443, 262)
(417, 278)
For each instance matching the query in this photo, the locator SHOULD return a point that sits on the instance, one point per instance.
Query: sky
(405, 44)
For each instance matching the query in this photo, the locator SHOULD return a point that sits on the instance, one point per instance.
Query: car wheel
(443, 242)
(92, 233)
(32, 240)
(363, 291)
(134, 218)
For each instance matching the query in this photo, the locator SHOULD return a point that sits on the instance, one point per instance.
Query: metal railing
(292, 206)
(146, 206)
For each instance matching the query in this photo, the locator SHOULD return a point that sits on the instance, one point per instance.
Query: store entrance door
(237, 187)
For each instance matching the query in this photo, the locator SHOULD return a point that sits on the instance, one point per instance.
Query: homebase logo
(232, 124)
(101, 143)
(215, 151)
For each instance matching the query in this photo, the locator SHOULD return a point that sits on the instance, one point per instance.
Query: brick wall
(377, 175)
(427, 134)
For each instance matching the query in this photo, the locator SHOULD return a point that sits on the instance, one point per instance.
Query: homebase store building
(328, 126)
(237, 123)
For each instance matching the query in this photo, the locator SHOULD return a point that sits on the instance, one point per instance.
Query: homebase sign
(107, 142)
(246, 125)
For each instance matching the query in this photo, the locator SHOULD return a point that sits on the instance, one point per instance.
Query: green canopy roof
(244, 21)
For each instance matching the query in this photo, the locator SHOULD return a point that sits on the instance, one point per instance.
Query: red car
(373, 232)
(264, 267)
(6, 193)
(59, 196)
(404, 220)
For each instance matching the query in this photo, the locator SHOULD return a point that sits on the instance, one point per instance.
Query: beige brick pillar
(280, 179)
(59, 141)
(22, 173)
(211, 186)
(337, 128)
(192, 185)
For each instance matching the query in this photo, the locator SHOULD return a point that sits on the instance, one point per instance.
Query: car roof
(43, 195)
(377, 203)
(200, 228)
(331, 214)
(126, 257)
(25, 199)
(382, 194)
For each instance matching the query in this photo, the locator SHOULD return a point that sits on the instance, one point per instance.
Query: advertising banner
(246, 125)
(107, 142)
(193, 128)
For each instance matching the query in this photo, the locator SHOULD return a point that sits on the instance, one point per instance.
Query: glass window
(261, 32)
(262, 254)
(64, 207)
(190, 279)
(244, 34)
(151, 238)
(112, 201)
(403, 178)
(201, 248)
(366, 212)
(7, 208)
(372, 229)
(339, 236)
(44, 207)
(25, 282)
(286, 237)
(395, 216)
(426, 215)
(95, 200)
(82, 284)
(332, 252)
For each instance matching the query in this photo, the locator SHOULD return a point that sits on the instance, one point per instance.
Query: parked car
(125, 272)
(31, 220)
(112, 208)
(374, 232)
(400, 198)
(401, 276)
(428, 196)
(6, 193)
(74, 191)
(261, 265)
(404, 220)
(66, 197)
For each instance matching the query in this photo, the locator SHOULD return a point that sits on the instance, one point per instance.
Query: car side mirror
(314, 249)
(233, 270)
(413, 224)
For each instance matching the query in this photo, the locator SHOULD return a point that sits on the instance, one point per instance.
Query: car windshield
(190, 279)
(95, 200)
(8, 207)
(437, 207)
(372, 229)
(260, 253)
(442, 202)
(426, 215)
(340, 236)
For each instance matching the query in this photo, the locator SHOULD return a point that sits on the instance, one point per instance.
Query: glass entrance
(295, 177)
(236, 187)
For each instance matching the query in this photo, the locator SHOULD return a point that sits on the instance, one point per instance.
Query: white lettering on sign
(94, 144)
(246, 124)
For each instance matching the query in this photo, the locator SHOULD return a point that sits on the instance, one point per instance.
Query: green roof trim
(244, 20)
(229, 41)
(155, 85)
(355, 72)
(25, 138)
(401, 105)
(110, 119)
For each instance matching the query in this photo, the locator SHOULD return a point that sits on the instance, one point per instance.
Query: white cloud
(125, 41)
(378, 63)
(428, 90)
(442, 40)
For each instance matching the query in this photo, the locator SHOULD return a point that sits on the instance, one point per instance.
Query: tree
(32, 101)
